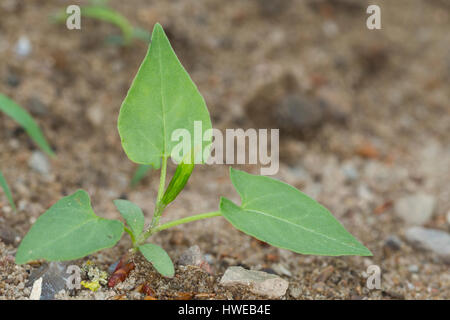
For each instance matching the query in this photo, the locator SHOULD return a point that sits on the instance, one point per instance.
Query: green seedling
(22, 117)
(163, 98)
(100, 11)
(7, 191)
(140, 174)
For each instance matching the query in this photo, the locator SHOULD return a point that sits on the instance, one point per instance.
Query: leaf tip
(233, 172)
(367, 252)
(80, 193)
(236, 172)
(158, 28)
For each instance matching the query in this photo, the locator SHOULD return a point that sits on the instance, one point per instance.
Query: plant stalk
(152, 231)
(186, 220)
(159, 207)
(133, 240)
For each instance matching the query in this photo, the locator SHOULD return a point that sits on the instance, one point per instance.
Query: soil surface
(381, 134)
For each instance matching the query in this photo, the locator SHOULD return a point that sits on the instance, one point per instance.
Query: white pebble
(23, 47)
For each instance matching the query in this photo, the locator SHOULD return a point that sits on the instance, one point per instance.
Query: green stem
(186, 220)
(159, 207)
(133, 240)
(174, 223)
(162, 179)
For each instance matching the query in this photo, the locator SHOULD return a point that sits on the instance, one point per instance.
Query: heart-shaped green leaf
(279, 214)
(7, 191)
(159, 259)
(132, 214)
(26, 121)
(161, 99)
(69, 230)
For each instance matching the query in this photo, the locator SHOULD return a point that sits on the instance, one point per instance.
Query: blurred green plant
(140, 174)
(21, 116)
(7, 191)
(99, 10)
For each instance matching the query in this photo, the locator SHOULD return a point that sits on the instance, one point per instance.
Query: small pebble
(23, 47)
(295, 292)
(95, 116)
(415, 209)
(8, 235)
(39, 163)
(37, 289)
(393, 242)
(12, 80)
(413, 268)
(37, 107)
(281, 270)
(350, 172)
(191, 257)
(433, 240)
(209, 258)
(325, 274)
(258, 282)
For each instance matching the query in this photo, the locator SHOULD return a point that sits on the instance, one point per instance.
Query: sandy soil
(390, 139)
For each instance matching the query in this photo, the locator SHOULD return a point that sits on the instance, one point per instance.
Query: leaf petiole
(159, 207)
(174, 223)
(186, 220)
(133, 239)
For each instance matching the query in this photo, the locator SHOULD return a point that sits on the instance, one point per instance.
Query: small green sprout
(22, 117)
(7, 191)
(100, 11)
(163, 98)
(140, 174)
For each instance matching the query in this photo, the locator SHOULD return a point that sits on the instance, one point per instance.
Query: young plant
(22, 117)
(161, 99)
(100, 11)
(140, 174)
(7, 191)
